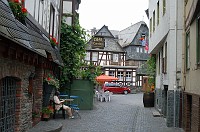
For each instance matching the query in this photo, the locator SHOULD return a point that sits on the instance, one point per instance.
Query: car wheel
(125, 92)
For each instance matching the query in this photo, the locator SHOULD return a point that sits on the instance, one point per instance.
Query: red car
(115, 88)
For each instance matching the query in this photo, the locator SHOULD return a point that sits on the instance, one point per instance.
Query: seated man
(59, 104)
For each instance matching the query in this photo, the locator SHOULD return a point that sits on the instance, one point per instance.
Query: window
(141, 49)
(94, 56)
(120, 75)
(164, 61)
(198, 40)
(159, 63)
(41, 6)
(52, 17)
(150, 26)
(115, 57)
(188, 50)
(36, 14)
(128, 76)
(164, 7)
(137, 49)
(158, 10)
(112, 73)
(87, 57)
(67, 9)
(153, 21)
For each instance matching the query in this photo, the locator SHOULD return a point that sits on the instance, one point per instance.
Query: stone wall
(24, 100)
(173, 114)
(168, 107)
(191, 112)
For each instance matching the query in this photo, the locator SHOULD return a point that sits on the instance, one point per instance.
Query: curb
(47, 126)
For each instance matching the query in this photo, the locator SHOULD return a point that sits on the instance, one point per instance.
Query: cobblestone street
(125, 113)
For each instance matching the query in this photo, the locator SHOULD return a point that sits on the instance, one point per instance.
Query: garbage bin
(85, 90)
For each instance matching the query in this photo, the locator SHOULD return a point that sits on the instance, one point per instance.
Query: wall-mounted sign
(98, 42)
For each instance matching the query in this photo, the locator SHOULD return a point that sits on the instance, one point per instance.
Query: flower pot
(148, 99)
(45, 117)
(35, 120)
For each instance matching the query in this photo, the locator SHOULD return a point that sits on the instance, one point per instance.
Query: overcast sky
(116, 14)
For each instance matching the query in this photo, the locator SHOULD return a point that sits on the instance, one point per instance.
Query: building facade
(165, 41)
(120, 53)
(190, 67)
(134, 39)
(105, 51)
(26, 57)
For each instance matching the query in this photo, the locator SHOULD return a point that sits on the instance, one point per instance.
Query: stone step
(156, 114)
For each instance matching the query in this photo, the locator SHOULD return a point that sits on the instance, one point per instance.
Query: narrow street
(125, 113)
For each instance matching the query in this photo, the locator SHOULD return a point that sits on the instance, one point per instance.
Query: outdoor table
(63, 96)
(68, 100)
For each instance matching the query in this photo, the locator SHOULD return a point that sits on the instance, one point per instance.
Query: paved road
(125, 113)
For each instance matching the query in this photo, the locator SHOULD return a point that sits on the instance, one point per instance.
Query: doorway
(8, 104)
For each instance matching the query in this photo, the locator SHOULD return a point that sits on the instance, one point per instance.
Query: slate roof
(127, 35)
(111, 45)
(32, 40)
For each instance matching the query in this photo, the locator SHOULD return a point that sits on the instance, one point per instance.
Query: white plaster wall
(167, 27)
(162, 29)
(192, 75)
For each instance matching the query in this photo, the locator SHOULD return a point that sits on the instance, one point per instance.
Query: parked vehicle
(116, 88)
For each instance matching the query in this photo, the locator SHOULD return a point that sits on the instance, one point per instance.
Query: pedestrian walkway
(125, 113)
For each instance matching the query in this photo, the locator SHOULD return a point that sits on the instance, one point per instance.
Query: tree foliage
(151, 70)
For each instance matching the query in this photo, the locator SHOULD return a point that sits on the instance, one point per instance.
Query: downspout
(60, 20)
(183, 59)
(175, 86)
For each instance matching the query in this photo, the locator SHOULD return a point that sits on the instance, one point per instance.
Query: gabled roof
(105, 32)
(25, 35)
(111, 45)
(127, 35)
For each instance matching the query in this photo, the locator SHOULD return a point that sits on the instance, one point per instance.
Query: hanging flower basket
(51, 80)
(53, 41)
(19, 11)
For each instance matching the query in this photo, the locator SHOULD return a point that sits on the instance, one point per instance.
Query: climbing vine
(73, 48)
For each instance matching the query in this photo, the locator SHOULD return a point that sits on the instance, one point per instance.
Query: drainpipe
(175, 86)
(183, 58)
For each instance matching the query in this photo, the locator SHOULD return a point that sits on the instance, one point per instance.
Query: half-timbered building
(105, 51)
(134, 41)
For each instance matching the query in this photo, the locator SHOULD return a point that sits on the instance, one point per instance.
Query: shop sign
(98, 42)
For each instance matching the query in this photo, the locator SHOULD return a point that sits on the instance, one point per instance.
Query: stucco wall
(192, 74)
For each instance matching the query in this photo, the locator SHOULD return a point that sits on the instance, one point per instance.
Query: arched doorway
(8, 87)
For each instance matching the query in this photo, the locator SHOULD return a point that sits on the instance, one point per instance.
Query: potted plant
(46, 112)
(36, 113)
(148, 96)
(36, 116)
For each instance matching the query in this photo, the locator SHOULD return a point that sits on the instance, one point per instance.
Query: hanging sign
(98, 42)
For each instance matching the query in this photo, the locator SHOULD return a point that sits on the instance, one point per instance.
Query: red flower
(22, 1)
(48, 78)
(16, 1)
(24, 10)
(56, 43)
(54, 40)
